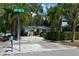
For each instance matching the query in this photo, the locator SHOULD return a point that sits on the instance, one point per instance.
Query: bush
(63, 36)
(66, 28)
(54, 36)
(43, 34)
(68, 35)
(77, 35)
(51, 35)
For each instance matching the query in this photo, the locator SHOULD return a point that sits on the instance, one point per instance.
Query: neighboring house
(38, 29)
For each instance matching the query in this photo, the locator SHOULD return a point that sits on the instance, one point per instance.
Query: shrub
(63, 36)
(43, 34)
(68, 35)
(51, 35)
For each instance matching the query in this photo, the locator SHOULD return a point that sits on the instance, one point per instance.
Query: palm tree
(11, 16)
(71, 14)
(37, 9)
(55, 18)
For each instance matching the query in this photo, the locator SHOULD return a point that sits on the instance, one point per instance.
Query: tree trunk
(58, 30)
(13, 27)
(73, 31)
(61, 26)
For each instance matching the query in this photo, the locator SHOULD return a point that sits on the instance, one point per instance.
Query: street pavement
(3, 46)
(37, 46)
(69, 52)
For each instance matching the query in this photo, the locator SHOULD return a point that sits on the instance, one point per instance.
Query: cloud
(48, 6)
(44, 9)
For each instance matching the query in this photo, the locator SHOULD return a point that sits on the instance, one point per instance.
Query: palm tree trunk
(73, 31)
(58, 30)
(60, 26)
(13, 28)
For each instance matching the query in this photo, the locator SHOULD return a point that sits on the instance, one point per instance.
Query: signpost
(18, 27)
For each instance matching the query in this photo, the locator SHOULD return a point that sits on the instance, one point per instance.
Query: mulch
(68, 42)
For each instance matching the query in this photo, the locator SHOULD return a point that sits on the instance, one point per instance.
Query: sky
(48, 6)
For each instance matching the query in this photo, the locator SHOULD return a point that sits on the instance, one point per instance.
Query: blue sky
(47, 5)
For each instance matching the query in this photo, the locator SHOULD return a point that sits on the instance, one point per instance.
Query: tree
(71, 14)
(37, 9)
(10, 17)
(55, 18)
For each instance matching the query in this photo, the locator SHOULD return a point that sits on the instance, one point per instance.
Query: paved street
(38, 46)
(3, 46)
(70, 52)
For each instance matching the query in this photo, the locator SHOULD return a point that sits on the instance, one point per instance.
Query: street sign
(19, 10)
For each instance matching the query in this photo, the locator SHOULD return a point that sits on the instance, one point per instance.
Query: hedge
(68, 35)
(63, 35)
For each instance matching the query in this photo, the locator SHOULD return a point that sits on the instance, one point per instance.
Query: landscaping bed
(68, 42)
